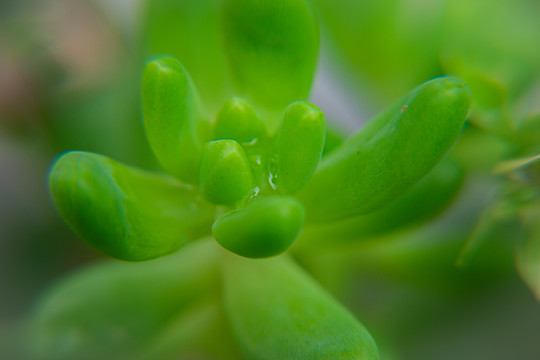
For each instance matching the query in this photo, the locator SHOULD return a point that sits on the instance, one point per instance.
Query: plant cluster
(266, 180)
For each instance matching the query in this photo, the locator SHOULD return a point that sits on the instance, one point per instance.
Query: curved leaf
(265, 227)
(278, 312)
(390, 154)
(238, 121)
(424, 201)
(179, 27)
(124, 212)
(272, 47)
(300, 144)
(172, 117)
(225, 175)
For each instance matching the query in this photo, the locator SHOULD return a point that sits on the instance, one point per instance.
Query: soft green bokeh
(115, 310)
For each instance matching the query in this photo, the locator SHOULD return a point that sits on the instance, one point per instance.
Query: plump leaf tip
(301, 140)
(225, 175)
(237, 120)
(265, 227)
(389, 155)
(272, 48)
(124, 212)
(172, 117)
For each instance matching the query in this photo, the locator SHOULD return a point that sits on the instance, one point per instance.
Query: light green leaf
(300, 144)
(425, 200)
(272, 47)
(278, 312)
(515, 164)
(265, 227)
(124, 212)
(179, 28)
(172, 117)
(238, 121)
(225, 175)
(390, 154)
(111, 310)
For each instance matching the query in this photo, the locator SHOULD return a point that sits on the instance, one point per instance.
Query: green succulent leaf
(278, 312)
(421, 203)
(272, 47)
(172, 117)
(390, 154)
(300, 144)
(124, 212)
(238, 121)
(179, 28)
(265, 227)
(225, 175)
(112, 310)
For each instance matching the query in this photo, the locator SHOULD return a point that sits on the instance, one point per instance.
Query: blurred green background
(69, 79)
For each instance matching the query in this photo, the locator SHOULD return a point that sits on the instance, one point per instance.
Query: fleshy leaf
(272, 47)
(278, 312)
(390, 154)
(238, 121)
(112, 310)
(225, 175)
(300, 144)
(424, 201)
(124, 212)
(172, 117)
(265, 227)
(178, 28)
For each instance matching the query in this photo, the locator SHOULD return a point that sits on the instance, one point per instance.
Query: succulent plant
(253, 176)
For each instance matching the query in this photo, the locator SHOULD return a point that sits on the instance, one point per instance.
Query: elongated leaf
(390, 154)
(113, 309)
(271, 46)
(172, 117)
(179, 28)
(424, 201)
(278, 312)
(301, 143)
(125, 212)
(265, 227)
